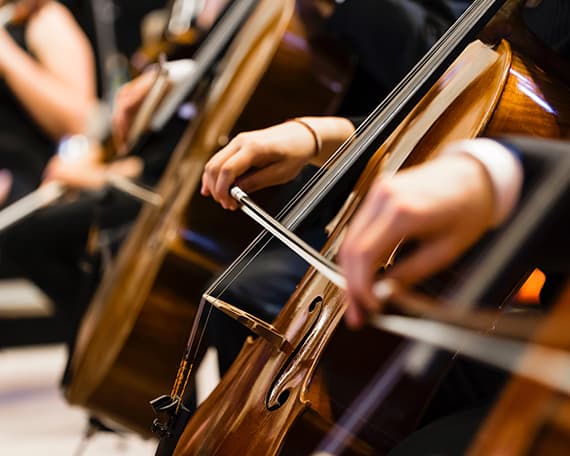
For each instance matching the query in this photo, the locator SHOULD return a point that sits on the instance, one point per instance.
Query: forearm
(57, 108)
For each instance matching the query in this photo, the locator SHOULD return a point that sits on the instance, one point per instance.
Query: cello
(273, 400)
(183, 30)
(539, 423)
(128, 342)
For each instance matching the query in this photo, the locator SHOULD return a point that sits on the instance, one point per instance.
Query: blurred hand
(89, 172)
(258, 159)
(444, 205)
(127, 103)
(210, 12)
(78, 174)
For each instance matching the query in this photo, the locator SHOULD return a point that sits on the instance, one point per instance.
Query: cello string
(372, 131)
(190, 355)
(308, 197)
(475, 11)
(206, 54)
(369, 135)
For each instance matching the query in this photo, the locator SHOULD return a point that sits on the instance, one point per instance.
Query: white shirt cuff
(503, 168)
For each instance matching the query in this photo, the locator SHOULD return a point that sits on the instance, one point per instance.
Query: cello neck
(206, 56)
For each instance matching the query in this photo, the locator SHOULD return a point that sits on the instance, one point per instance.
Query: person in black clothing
(128, 16)
(41, 101)
(48, 246)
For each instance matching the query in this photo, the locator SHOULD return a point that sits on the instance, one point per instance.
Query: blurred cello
(530, 418)
(187, 23)
(273, 400)
(131, 337)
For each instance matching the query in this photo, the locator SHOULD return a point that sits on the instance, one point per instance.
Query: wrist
(332, 131)
(317, 140)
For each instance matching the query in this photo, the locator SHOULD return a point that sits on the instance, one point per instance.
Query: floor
(36, 420)
(34, 417)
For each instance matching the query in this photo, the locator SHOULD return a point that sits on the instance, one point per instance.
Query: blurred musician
(42, 100)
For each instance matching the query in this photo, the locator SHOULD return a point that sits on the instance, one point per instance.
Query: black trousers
(48, 247)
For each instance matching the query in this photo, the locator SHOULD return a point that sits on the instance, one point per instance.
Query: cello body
(275, 402)
(135, 329)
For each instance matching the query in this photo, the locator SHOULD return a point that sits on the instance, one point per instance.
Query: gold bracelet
(316, 137)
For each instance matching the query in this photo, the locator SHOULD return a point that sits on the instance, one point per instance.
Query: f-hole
(280, 401)
(313, 310)
(315, 303)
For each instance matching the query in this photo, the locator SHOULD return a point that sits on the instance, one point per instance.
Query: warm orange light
(530, 291)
